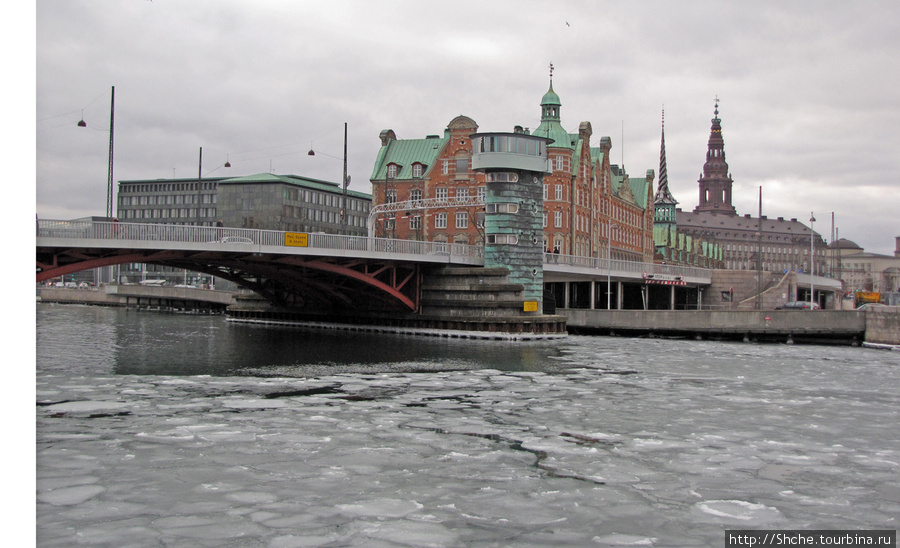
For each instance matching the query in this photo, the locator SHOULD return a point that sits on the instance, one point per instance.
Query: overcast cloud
(808, 91)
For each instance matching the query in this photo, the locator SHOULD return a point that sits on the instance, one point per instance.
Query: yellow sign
(531, 306)
(296, 239)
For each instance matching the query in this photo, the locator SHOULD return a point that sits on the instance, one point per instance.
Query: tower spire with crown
(715, 181)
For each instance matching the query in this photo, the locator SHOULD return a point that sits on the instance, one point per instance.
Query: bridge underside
(307, 282)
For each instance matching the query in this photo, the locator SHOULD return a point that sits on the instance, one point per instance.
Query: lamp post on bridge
(609, 228)
(109, 176)
(812, 268)
(345, 181)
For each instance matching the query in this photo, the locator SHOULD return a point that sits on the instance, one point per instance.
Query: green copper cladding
(514, 165)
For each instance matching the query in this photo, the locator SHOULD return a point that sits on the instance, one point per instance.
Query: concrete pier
(880, 326)
(137, 296)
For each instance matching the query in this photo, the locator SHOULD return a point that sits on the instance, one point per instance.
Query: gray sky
(808, 91)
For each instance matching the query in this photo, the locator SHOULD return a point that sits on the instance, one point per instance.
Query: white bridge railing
(113, 231)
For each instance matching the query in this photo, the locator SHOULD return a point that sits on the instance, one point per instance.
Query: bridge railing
(646, 270)
(150, 232)
(114, 230)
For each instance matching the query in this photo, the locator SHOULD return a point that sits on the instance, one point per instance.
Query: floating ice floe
(86, 406)
(738, 510)
(394, 508)
(69, 496)
(252, 403)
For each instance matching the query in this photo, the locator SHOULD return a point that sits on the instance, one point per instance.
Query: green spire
(551, 98)
(550, 126)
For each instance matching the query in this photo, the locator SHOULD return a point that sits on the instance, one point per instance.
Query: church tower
(715, 182)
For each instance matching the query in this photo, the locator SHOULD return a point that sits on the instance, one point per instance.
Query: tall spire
(664, 214)
(663, 195)
(715, 181)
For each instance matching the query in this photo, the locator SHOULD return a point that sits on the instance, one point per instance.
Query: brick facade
(587, 200)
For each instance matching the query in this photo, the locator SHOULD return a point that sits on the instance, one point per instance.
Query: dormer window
(417, 170)
(392, 171)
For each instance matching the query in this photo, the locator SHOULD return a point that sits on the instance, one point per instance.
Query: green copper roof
(550, 98)
(552, 129)
(550, 126)
(404, 153)
(597, 155)
(640, 187)
(297, 180)
(255, 178)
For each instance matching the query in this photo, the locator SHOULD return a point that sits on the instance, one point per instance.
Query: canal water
(171, 430)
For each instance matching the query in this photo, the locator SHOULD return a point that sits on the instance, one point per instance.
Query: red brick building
(587, 200)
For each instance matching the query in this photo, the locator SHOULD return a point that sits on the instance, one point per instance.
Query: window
(501, 177)
(559, 192)
(417, 170)
(415, 222)
(440, 220)
(509, 239)
(546, 192)
(415, 194)
(462, 220)
(557, 219)
(440, 193)
(462, 166)
(462, 192)
(392, 171)
(445, 167)
(502, 208)
(390, 196)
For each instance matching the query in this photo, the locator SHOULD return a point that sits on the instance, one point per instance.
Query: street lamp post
(609, 227)
(759, 252)
(109, 173)
(812, 268)
(109, 179)
(345, 182)
(110, 192)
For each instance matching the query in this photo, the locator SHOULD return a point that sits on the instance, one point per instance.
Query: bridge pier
(455, 302)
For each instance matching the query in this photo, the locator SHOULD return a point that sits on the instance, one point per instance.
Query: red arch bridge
(307, 270)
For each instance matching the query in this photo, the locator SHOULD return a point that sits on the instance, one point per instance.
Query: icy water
(182, 431)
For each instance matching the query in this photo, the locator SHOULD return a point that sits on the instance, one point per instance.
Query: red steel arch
(396, 280)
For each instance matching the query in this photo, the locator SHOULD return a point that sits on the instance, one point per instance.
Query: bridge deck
(138, 239)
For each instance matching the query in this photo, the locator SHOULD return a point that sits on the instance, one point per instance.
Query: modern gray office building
(263, 201)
